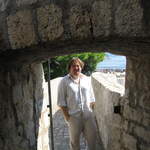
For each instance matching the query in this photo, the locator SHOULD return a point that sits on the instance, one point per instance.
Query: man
(76, 100)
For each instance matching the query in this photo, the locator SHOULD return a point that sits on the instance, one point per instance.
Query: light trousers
(83, 122)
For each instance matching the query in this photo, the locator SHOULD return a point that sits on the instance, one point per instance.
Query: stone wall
(136, 124)
(54, 89)
(69, 20)
(129, 130)
(23, 109)
(7, 118)
(43, 28)
(108, 93)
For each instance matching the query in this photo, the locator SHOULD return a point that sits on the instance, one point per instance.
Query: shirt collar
(81, 76)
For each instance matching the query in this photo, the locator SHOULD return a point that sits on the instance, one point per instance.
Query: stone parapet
(108, 97)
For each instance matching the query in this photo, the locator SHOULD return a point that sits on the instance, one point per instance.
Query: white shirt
(75, 96)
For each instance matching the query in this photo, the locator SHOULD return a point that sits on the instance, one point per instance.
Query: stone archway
(32, 31)
(135, 123)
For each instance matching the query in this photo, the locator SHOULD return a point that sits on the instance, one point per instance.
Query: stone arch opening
(25, 37)
(114, 107)
(135, 102)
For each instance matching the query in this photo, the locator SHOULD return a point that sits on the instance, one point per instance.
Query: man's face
(75, 69)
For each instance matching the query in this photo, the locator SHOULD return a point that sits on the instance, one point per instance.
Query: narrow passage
(61, 135)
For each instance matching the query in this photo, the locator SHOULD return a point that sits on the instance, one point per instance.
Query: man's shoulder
(63, 82)
(86, 79)
(84, 76)
(65, 78)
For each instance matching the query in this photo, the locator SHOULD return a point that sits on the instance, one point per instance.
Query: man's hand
(65, 112)
(67, 117)
(92, 105)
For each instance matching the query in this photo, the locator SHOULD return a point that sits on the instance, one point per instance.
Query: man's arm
(61, 101)
(92, 105)
(65, 112)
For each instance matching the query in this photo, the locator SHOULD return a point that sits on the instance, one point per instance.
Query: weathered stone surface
(108, 93)
(24, 110)
(80, 24)
(88, 20)
(3, 45)
(146, 119)
(145, 101)
(101, 18)
(14, 135)
(102, 25)
(3, 4)
(25, 2)
(143, 83)
(41, 101)
(144, 147)
(115, 140)
(128, 18)
(50, 22)
(141, 133)
(24, 91)
(125, 125)
(136, 111)
(133, 114)
(21, 29)
(129, 142)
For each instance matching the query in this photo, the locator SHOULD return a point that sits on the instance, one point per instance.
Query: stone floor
(61, 135)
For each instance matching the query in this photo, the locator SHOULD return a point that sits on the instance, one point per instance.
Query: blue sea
(112, 61)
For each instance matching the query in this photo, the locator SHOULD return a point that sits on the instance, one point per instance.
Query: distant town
(112, 63)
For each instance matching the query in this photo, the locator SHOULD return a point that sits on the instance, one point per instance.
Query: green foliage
(59, 63)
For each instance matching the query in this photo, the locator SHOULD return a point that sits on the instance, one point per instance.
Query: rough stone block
(21, 30)
(116, 120)
(125, 125)
(128, 18)
(132, 114)
(49, 22)
(3, 43)
(79, 22)
(3, 4)
(145, 100)
(129, 142)
(146, 120)
(143, 147)
(101, 18)
(115, 135)
(115, 146)
(25, 2)
(142, 133)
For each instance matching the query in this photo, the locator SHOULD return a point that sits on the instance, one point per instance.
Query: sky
(112, 61)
